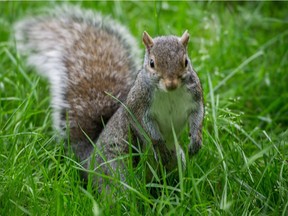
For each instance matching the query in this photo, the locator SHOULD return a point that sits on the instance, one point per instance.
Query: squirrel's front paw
(195, 144)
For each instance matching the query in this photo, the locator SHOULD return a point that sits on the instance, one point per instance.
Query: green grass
(240, 53)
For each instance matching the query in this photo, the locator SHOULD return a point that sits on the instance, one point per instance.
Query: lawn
(240, 53)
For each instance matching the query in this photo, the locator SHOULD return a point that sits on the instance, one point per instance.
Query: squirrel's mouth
(168, 85)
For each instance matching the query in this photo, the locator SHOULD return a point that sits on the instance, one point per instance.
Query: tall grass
(240, 53)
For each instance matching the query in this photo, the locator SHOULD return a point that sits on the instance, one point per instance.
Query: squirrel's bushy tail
(84, 55)
(45, 47)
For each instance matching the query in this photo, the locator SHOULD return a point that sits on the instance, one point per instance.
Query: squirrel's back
(84, 55)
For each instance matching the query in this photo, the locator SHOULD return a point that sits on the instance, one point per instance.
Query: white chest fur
(171, 108)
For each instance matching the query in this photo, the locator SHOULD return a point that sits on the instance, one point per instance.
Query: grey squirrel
(98, 83)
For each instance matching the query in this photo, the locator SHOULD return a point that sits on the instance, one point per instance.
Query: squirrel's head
(166, 59)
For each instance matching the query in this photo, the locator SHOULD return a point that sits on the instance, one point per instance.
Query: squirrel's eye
(186, 62)
(152, 65)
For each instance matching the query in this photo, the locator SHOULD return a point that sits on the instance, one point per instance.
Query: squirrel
(166, 95)
(108, 97)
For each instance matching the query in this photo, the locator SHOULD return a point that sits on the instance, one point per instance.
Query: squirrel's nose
(171, 84)
(171, 87)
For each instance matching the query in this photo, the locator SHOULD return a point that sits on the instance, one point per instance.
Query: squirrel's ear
(147, 40)
(185, 38)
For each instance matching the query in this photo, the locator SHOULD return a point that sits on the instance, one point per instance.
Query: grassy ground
(240, 53)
